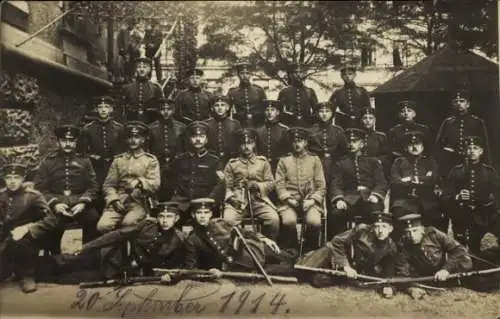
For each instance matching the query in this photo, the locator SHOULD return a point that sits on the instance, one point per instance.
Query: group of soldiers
(218, 163)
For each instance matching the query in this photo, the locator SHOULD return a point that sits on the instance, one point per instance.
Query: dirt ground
(226, 298)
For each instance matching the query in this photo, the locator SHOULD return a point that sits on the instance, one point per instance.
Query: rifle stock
(339, 273)
(227, 274)
(120, 282)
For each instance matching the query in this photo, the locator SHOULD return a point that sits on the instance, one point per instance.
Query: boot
(28, 285)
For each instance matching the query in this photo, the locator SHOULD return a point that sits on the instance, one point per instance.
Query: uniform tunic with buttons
(138, 95)
(272, 143)
(350, 99)
(376, 145)
(436, 251)
(329, 143)
(396, 133)
(299, 102)
(193, 105)
(221, 137)
(104, 139)
(360, 249)
(247, 102)
(165, 140)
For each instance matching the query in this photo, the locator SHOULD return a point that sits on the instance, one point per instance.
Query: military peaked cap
(14, 169)
(103, 99)
(353, 133)
(413, 137)
(411, 220)
(245, 134)
(298, 132)
(381, 217)
(220, 98)
(474, 140)
(196, 128)
(67, 131)
(273, 103)
(195, 71)
(143, 60)
(202, 203)
(167, 207)
(407, 104)
(367, 110)
(136, 128)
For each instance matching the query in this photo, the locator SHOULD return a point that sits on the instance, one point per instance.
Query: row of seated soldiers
(357, 186)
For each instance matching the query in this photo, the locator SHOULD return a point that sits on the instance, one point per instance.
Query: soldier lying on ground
(154, 242)
(365, 249)
(213, 245)
(427, 251)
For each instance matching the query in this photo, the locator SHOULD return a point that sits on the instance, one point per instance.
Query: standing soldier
(301, 188)
(450, 139)
(358, 186)
(68, 182)
(196, 172)
(375, 142)
(298, 100)
(19, 208)
(414, 178)
(329, 141)
(138, 95)
(153, 38)
(221, 130)
(133, 177)
(349, 99)
(472, 192)
(247, 99)
(271, 134)
(193, 103)
(249, 180)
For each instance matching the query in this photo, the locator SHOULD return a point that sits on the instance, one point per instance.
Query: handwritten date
(242, 299)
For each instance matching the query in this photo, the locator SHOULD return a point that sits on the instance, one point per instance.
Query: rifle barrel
(337, 273)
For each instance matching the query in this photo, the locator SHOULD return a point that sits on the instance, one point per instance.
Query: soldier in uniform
(198, 173)
(450, 140)
(376, 144)
(213, 244)
(249, 180)
(134, 176)
(427, 251)
(414, 178)
(68, 182)
(193, 103)
(166, 140)
(271, 134)
(20, 206)
(101, 138)
(472, 192)
(138, 94)
(221, 130)
(247, 99)
(349, 99)
(329, 141)
(301, 188)
(358, 185)
(365, 249)
(298, 100)
(154, 242)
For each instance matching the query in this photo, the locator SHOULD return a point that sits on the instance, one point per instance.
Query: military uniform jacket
(480, 179)
(299, 102)
(376, 145)
(212, 246)
(221, 137)
(20, 208)
(353, 171)
(350, 99)
(272, 141)
(425, 169)
(301, 177)
(66, 179)
(454, 129)
(126, 167)
(193, 105)
(360, 249)
(240, 170)
(247, 100)
(436, 251)
(104, 139)
(150, 244)
(165, 139)
(138, 95)
(196, 175)
(328, 141)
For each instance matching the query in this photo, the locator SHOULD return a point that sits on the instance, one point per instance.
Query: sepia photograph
(325, 159)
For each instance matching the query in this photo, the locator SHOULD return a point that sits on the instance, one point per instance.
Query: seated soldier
(301, 188)
(367, 250)
(214, 245)
(357, 186)
(376, 144)
(427, 251)
(249, 181)
(413, 181)
(155, 242)
(20, 207)
(133, 177)
(472, 193)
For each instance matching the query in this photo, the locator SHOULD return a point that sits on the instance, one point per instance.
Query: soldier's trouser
(111, 219)
(18, 257)
(264, 213)
(312, 220)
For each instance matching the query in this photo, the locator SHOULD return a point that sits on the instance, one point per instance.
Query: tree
(312, 34)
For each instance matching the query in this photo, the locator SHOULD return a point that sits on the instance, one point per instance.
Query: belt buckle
(249, 116)
(299, 117)
(67, 192)
(327, 155)
(221, 154)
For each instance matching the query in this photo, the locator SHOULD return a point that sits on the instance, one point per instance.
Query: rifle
(121, 282)
(226, 274)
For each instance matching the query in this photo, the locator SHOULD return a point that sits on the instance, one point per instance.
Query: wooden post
(111, 40)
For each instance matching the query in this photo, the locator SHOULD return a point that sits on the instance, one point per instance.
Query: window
(367, 55)
(16, 13)
(399, 49)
